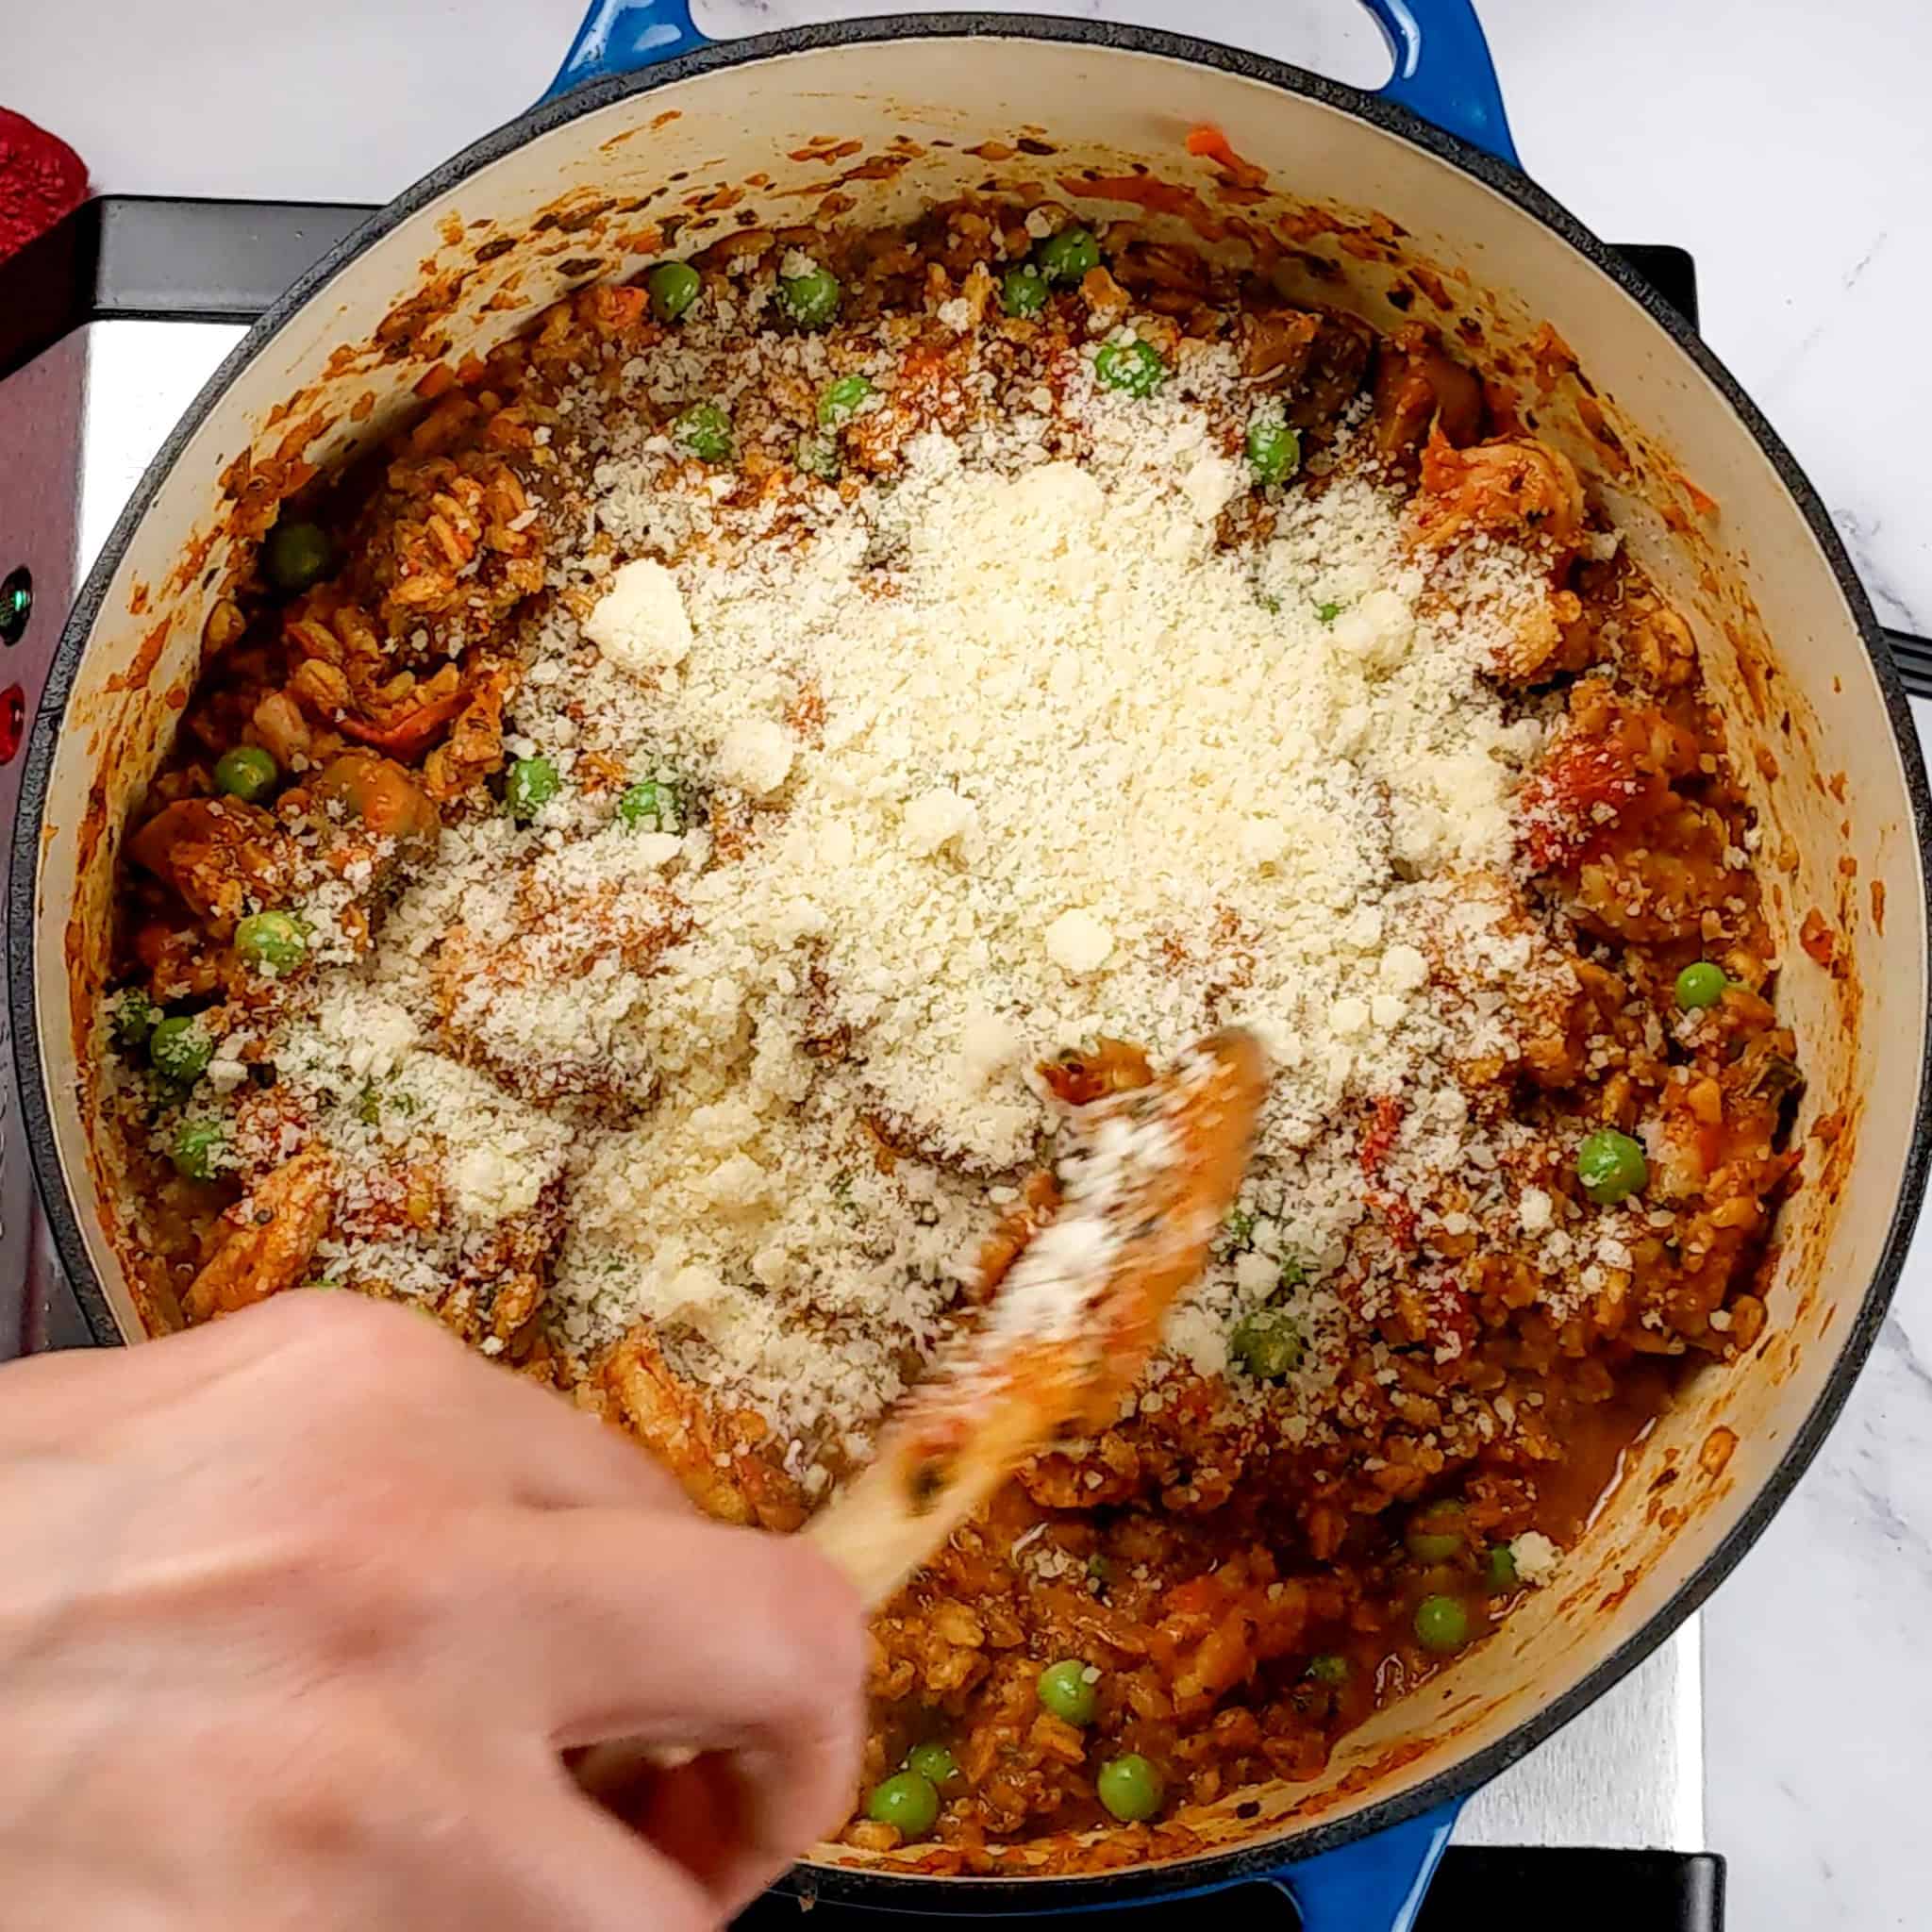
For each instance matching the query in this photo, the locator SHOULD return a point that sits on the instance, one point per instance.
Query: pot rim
(1270, 1856)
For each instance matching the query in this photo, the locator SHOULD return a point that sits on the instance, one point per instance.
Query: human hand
(299, 1611)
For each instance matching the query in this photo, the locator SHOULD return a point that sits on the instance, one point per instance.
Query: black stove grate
(1474, 1890)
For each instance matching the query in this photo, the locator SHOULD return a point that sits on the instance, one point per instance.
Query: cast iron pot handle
(1442, 67)
(1444, 74)
(1376, 1884)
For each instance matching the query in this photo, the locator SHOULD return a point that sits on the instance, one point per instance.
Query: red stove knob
(12, 721)
(41, 178)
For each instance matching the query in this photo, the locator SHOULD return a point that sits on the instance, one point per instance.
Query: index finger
(381, 1380)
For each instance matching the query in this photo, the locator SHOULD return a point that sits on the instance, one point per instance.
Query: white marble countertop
(1794, 160)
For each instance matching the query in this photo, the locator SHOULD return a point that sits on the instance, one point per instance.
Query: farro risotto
(653, 861)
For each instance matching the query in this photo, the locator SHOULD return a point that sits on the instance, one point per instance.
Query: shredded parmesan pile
(1007, 753)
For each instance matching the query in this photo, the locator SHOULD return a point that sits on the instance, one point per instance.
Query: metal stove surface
(77, 427)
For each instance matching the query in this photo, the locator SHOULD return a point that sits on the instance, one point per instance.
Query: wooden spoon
(1148, 1184)
(1074, 1321)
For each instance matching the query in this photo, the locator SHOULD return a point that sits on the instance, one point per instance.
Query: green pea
(197, 1145)
(1610, 1166)
(1435, 1533)
(840, 403)
(908, 1801)
(1268, 1344)
(1702, 985)
(1023, 291)
(650, 806)
(271, 941)
(531, 785)
(1502, 1569)
(1330, 1667)
(1442, 1624)
(1099, 1574)
(133, 1020)
(1133, 368)
(811, 300)
(180, 1048)
(296, 556)
(1066, 257)
(705, 431)
(672, 287)
(1130, 1788)
(1327, 612)
(818, 455)
(245, 772)
(1275, 451)
(934, 1763)
(1066, 1691)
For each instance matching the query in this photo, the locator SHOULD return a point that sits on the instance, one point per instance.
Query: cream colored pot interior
(852, 131)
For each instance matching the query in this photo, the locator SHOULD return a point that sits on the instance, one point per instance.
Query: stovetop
(160, 292)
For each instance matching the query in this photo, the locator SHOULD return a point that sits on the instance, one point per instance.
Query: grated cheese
(1535, 1557)
(640, 624)
(980, 759)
